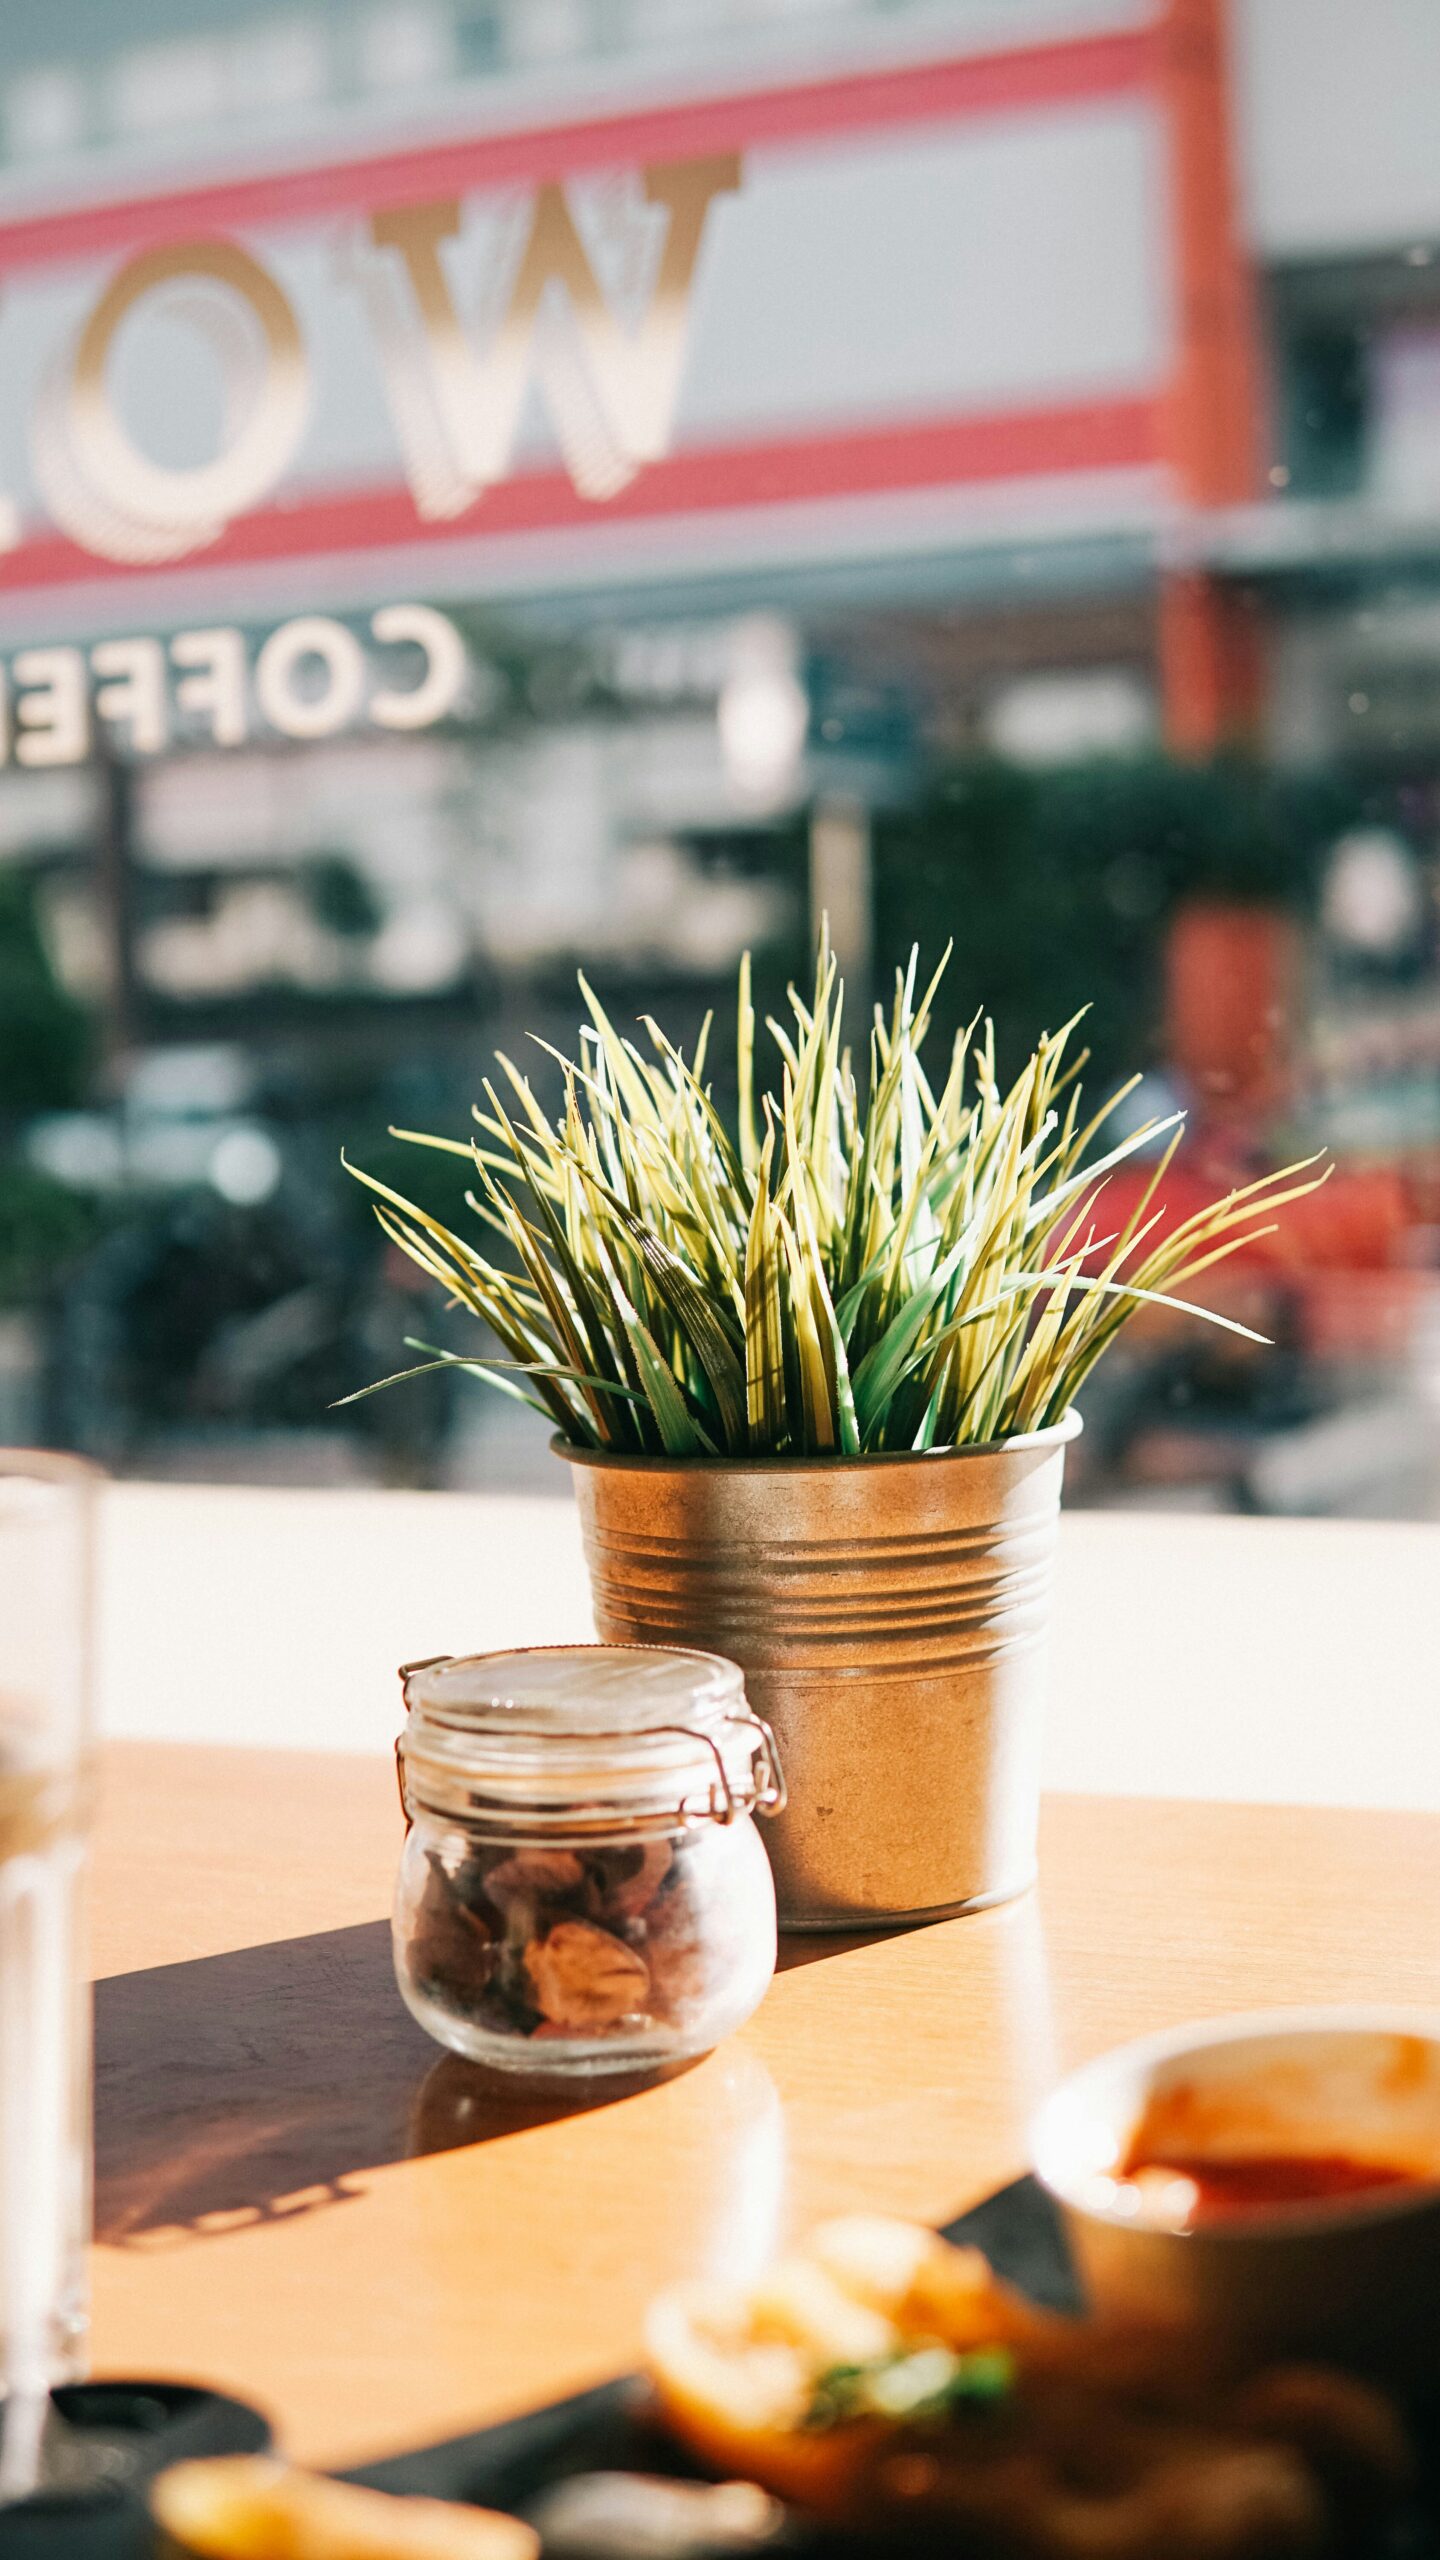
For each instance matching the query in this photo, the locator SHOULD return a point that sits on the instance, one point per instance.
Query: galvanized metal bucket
(890, 1615)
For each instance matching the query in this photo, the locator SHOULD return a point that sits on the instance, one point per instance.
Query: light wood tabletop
(301, 2200)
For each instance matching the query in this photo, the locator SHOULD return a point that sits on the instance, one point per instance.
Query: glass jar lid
(585, 1737)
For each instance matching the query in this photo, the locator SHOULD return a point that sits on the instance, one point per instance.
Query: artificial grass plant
(864, 1264)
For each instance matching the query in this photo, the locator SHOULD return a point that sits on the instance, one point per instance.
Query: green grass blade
(681, 1435)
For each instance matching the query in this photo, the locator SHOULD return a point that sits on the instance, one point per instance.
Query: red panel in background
(1112, 435)
(1212, 660)
(1211, 649)
(1214, 422)
(1231, 982)
(1358, 1222)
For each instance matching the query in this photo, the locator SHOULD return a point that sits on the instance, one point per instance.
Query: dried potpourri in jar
(583, 1889)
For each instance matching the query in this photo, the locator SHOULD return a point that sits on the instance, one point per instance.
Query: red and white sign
(893, 305)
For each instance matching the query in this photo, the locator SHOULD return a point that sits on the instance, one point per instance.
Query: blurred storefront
(490, 487)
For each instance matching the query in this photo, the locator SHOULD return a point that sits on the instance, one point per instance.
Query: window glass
(497, 488)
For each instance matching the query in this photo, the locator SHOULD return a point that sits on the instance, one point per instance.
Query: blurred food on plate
(883, 2379)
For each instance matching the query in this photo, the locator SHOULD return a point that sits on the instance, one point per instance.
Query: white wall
(1339, 106)
(1279, 1661)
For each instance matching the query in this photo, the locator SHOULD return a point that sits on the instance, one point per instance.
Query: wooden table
(300, 2199)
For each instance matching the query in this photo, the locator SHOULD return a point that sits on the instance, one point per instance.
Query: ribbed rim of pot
(1054, 1436)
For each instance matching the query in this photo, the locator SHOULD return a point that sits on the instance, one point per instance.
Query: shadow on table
(249, 2087)
(805, 1946)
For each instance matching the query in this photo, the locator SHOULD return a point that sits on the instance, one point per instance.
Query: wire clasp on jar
(767, 1793)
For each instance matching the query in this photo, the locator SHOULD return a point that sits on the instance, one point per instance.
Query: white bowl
(1353, 2278)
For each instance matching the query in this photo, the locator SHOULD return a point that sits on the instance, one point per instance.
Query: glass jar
(583, 1889)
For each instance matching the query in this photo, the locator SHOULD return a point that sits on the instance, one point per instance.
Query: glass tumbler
(46, 1548)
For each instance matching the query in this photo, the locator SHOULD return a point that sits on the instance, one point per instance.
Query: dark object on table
(518, 2465)
(111, 2439)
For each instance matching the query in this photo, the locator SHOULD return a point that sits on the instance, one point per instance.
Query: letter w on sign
(610, 387)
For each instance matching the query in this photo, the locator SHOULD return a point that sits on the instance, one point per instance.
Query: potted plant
(815, 1379)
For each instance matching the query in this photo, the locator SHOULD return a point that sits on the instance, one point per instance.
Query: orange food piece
(245, 2507)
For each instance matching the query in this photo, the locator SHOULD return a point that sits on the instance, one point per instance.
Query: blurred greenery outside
(1059, 885)
(1055, 885)
(46, 1055)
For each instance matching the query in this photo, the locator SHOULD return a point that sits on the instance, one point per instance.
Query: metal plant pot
(890, 1616)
